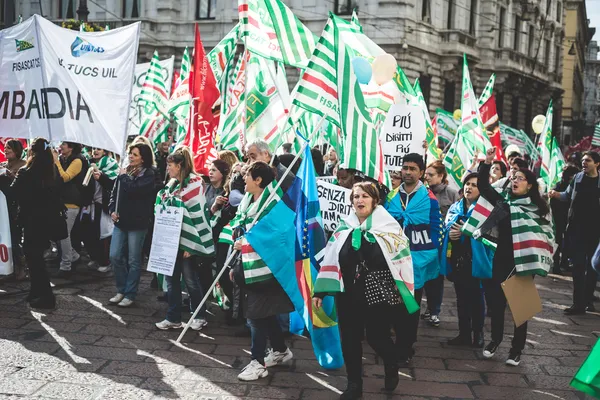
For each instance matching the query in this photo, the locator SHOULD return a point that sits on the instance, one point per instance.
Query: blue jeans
(189, 268)
(126, 258)
(264, 328)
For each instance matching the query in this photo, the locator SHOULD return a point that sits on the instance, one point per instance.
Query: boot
(353, 392)
(460, 340)
(391, 378)
(478, 340)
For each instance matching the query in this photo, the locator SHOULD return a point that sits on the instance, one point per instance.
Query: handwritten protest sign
(403, 132)
(335, 204)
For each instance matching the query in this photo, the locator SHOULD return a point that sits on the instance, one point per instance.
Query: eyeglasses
(518, 178)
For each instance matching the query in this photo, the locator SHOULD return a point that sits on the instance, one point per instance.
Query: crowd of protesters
(96, 203)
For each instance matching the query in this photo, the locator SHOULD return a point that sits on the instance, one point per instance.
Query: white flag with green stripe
(270, 29)
(596, 137)
(520, 139)
(433, 153)
(487, 91)
(180, 99)
(154, 99)
(231, 123)
(329, 87)
(458, 157)
(544, 146)
(222, 54)
(557, 163)
(471, 125)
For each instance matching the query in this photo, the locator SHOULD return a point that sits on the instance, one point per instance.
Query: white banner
(165, 239)
(6, 264)
(335, 204)
(136, 112)
(66, 85)
(403, 132)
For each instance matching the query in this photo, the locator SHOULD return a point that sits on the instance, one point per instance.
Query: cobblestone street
(87, 350)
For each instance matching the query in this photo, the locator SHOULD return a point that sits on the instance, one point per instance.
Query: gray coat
(446, 196)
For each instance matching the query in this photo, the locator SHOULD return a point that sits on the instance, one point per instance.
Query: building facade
(577, 38)
(591, 88)
(521, 42)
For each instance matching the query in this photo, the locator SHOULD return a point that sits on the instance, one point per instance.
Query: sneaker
(166, 324)
(274, 358)
(253, 372)
(434, 320)
(125, 302)
(93, 265)
(117, 299)
(574, 310)
(104, 269)
(490, 349)
(514, 358)
(198, 324)
(426, 315)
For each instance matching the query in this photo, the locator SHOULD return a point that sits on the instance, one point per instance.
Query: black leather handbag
(380, 287)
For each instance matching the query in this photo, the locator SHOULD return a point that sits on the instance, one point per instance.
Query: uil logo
(23, 45)
(81, 46)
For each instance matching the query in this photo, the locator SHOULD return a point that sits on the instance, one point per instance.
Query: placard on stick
(403, 132)
(335, 204)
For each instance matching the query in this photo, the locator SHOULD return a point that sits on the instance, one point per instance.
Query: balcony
(456, 42)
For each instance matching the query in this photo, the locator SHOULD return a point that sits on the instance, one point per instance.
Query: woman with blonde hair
(229, 157)
(186, 190)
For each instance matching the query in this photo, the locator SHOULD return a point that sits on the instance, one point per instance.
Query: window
(472, 13)
(131, 9)
(517, 36)
(426, 11)
(66, 9)
(500, 105)
(449, 95)
(425, 82)
(1, 12)
(547, 53)
(556, 59)
(559, 11)
(205, 9)
(514, 111)
(501, 27)
(548, 7)
(528, 118)
(343, 7)
(530, 47)
(449, 22)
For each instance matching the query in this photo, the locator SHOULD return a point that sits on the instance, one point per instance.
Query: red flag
(497, 142)
(204, 93)
(488, 112)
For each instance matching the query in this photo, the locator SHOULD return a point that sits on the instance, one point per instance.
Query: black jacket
(73, 192)
(289, 178)
(136, 200)
(107, 185)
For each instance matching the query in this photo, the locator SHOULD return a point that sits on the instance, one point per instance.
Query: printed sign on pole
(165, 240)
(403, 132)
(335, 204)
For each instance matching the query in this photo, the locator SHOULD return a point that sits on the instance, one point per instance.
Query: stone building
(591, 86)
(519, 41)
(577, 37)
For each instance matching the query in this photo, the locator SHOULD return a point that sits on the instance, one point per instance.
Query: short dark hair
(145, 152)
(16, 146)
(513, 154)
(287, 147)
(263, 170)
(593, 155)
(522, 164)
(415, 158)
(503, 169)
(76, 147)
(470, 175)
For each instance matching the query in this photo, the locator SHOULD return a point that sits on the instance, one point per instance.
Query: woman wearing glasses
(521, 204)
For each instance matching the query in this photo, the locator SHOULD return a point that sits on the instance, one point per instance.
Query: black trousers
(469, 304)
(584, 276)
(497, 306)
(407, 327)
(378, 320)
(34, 255)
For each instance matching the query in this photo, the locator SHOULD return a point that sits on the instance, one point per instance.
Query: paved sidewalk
(87, 350)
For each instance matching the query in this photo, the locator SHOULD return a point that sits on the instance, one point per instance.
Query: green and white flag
(487, 91)
(181, 99)
(544, 146)
(519, 138)
(459, 156)
(557, 163)
(328, 87)
(231, 123)
(445, 125)
(596, 137)
(155, 100)
(471, 125)
(355, 21)
(271, 30)
(222, 54)
(433, 153)
(266, 114)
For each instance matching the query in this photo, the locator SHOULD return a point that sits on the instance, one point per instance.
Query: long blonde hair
(182, 156)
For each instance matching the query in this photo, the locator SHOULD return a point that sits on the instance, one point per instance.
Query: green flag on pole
(544, 146)
(587, 379)
(155, 100)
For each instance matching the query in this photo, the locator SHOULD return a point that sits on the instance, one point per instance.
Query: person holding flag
(368, 264)
(417, 210)
(582, 233)
(524, 242)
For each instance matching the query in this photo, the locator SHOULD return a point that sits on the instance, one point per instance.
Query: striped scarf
(379, 227)
(109, 167)
(196, 233)
(532, 235)
(255, 269)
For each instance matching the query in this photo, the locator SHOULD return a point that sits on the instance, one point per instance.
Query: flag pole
(280, 130)
(234, 253)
